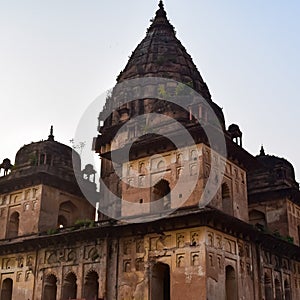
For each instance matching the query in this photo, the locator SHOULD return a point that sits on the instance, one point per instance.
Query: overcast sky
(57, 56)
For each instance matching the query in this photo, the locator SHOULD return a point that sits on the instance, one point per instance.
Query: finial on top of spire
(51, 136)
(161, 4)
(262, 151)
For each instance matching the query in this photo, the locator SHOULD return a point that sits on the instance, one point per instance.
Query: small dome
(47, 156)
(234, 130)
(275, 172)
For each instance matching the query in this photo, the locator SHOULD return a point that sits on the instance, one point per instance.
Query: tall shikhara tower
(141, 163)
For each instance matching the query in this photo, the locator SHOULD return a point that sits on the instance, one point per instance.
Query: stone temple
(233, 234)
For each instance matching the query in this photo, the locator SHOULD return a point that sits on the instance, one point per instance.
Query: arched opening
(13, 225)
(161, 197)
(230, 284)
(258, 219)
(91, 286)
(62, 222)
(66, 213)
(226, 200)
(160, 282)
(278, 293)
(287, 290)
(268, 287)
(6, 290)
(50, 288)
(69, 288)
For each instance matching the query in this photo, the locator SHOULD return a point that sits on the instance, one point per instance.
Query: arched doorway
(257, 218)
(230, 284)
(278, 293)
(268, 287)
(160, 282)
(287, 290)
(13, 225)
(69, 288)
(6, 290)
(91, 286)
(62, 222)
(161, 197)
(50, 287)
(226, 199)
(66, 214)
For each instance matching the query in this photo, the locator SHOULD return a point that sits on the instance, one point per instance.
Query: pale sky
(57, 56)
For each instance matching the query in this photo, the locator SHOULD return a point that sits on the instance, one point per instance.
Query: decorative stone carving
(219, 242)
(219, 260)
(71, 255)
(241, 249)
(180, 261)
(248, 267)
(210, 260)
(28, 275)
(127, 247)
(180, 240)
(194, 239)
(195, 259)
(93, 254)
(210, 239)
(140, 246)
(139, 264)
(18, 277)
(127, 266)
(242, 265)
(20, 261)
(52, 259)
(163, 242)
(8, 263)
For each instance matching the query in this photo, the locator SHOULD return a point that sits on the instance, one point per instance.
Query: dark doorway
(226, 200)
(278, 292)
(13, 225)
(257, 218)
(160, 282)
(268, 287)
(50, 288)
(161, 197)
(287, 290)
(69, 289)
(91, 286)
(231, 284)
(6, 291)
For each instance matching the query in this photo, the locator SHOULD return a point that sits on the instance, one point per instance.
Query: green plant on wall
(33, 159)
(85, 223)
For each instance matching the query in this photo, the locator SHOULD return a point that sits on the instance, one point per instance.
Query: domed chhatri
(274, 173)
(46, 155)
